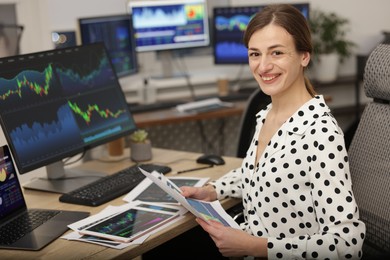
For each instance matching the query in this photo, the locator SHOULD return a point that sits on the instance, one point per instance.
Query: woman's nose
(265, 64)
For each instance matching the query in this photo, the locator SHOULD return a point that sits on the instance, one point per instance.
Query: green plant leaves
(329, 34)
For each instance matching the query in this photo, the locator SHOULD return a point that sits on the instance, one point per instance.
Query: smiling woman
(295, 181)
(278, 68)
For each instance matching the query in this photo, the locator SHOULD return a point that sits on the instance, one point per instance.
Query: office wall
(368, 18)
(41, 17)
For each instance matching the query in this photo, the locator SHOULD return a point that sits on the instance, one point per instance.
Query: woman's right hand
(206, 193)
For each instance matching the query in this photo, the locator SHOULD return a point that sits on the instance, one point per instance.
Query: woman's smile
(269, 78)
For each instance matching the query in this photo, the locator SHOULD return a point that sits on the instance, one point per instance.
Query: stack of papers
(121, 226)
(153, 205)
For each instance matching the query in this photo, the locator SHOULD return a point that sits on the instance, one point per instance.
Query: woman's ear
(305, 59)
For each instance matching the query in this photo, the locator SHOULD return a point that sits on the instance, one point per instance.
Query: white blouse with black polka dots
(299, 194)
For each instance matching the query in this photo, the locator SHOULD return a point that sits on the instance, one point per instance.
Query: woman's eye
(254, 54)
(277, 53)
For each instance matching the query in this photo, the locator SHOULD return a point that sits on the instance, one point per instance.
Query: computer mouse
(212, 159)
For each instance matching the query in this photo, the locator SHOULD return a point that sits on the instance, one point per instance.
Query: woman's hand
(206, 193)
(233, 242)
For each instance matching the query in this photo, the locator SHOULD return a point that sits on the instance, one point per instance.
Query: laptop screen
(11, 195)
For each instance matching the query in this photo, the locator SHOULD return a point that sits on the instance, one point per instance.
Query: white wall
(368, 19)
(41, 17)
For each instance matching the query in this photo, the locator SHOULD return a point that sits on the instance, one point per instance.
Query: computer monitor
(169, 25)
(57, 104)
(229, 24)
(116, 33)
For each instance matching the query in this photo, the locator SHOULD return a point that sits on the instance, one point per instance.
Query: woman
(294, 181)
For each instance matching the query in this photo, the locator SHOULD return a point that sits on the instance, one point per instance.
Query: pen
(195, 169)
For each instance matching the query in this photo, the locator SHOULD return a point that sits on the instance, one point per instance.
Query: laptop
(14, 213)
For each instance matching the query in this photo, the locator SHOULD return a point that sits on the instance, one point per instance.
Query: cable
(196, 169)
(67, 160)
(238, 78)
(183, 69)
(209, 146)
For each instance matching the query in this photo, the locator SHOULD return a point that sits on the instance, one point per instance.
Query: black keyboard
(111, 186)
(23, 224)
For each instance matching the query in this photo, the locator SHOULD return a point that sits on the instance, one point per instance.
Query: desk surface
(63, 249)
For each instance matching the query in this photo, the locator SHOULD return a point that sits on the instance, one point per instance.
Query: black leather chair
(257, 101)
(369, 156)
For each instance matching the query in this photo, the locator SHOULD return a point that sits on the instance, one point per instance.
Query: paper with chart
(201, 209)
(148, 191)
(108, 213)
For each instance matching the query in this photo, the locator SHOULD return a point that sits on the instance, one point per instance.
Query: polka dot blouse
(299, 194)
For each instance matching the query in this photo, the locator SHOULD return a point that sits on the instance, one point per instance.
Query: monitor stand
(166, 59)
(63, 180)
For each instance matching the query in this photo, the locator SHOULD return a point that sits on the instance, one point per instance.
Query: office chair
(369, 156)
(257, 101)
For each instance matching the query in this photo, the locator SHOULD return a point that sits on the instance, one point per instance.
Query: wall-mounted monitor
(57, 104)
(169, 24)
(229, 24)
(116, 33)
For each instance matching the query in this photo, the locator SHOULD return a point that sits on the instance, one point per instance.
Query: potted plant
(140, 146)
(330, 44)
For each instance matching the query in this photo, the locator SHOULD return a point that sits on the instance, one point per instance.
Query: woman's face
(274, 61)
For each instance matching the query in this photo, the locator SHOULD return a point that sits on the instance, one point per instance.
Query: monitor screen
(229, 24)
(116, 33)
(169, 24)
(59, 103)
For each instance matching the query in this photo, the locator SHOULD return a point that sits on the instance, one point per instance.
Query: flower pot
(326, 67)
(141, 151)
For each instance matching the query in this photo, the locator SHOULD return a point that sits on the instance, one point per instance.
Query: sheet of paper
(105, 213)
(201, 209)
(148, 191)
(112, 210)
(104, 242)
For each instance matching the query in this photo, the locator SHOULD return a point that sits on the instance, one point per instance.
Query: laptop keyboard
(24, 224)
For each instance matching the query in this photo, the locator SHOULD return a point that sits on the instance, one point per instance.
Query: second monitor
(168, 25)
(229, 24)
(116, 33)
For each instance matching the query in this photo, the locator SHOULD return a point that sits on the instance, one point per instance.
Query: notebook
(13, 209)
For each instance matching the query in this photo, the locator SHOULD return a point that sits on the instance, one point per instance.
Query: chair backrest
(369, 156)
(257, 101)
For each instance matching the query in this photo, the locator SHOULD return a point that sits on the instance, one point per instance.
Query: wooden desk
(63, 249)
(169, 116)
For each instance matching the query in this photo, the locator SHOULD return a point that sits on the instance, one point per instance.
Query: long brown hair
(292, 20)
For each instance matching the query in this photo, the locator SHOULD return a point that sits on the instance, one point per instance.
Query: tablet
(130, 224)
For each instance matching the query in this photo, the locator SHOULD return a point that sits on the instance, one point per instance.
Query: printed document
(201, 209)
